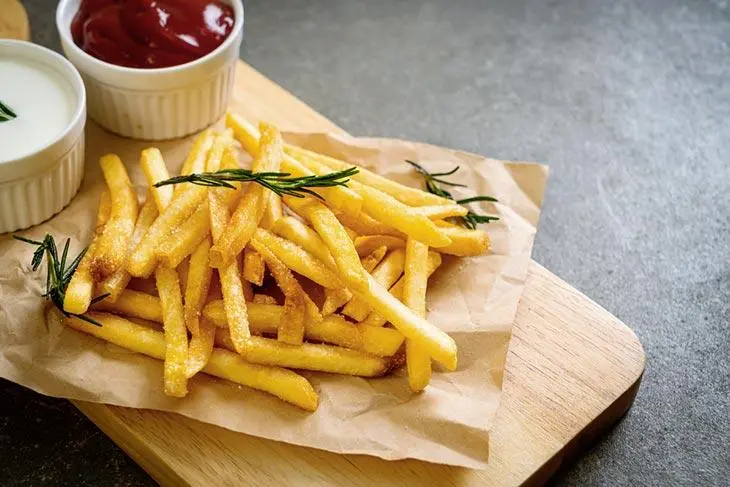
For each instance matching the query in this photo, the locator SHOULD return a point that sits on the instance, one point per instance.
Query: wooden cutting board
(572, 371)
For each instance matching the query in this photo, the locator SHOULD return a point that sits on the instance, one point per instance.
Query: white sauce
(43, 101)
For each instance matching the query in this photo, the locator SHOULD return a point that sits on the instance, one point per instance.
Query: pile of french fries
(350, 270)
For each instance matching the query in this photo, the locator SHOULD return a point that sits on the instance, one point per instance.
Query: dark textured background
(629, 103)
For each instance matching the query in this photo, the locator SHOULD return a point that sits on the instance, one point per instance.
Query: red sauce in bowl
(151, 33)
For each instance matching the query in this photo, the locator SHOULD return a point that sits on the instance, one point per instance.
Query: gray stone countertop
(627, 101)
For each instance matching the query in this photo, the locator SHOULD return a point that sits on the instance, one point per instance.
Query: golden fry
(465, 242)
(415, 278)
(253, 266)
(381, 341)
(81, 287)
(185, 238)
(364, 224)
(438, 212)
(293, 229)
(197, 286)
(250, 210)
(176, 337)
(438, 344)
(135, 304)
(201, 348)
(155, 170)
(298, 259)
(334, 299)
(368, 243)
(273, 211)
(310, 356)
(385, 274)
(405, 194)
(291, 326)
(289, 285)
(195, 161)
(376, 320)
(112, 247)
(285, 384)
(117, 282)
(340, 197)
(263, 318)
(335, 238)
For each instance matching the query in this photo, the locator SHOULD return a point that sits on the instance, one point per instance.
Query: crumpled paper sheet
(473, 299)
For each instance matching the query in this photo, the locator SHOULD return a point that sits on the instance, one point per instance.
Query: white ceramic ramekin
(37, 186)
(155, 104)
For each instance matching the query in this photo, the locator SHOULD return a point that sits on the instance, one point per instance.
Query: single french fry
(253, 266)
(364, 224)
(195, 161)
(385, 208)
(385, 274)
(286, 280)
(335, 238)
(438, 212)
(298, 259)
(176, 337)
(415, 279)
(197, 286)
(263, 299)
(285, 384)
(405, 194)
(201, 348)
(117, 282)
(436, 342)
(310, 356)
(293, 229)
(465, 242)
(81, 286)
(135, 304)
(291, 326)
(264, 319)
(273, 211)
(368, 243)
(112, 247)
(334, 299)
(374, 319)
(247, 216)
(155, 170)
(383, 342)
(340, 197)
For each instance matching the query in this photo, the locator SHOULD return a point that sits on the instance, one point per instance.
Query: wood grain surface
(572, 370)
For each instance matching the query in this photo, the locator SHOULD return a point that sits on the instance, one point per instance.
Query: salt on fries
(351, 259)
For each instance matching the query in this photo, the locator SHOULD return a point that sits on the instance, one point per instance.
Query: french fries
(405, 194)
(284, 384)
(376, 320)
(247, 216)
(253, 266)
(310, 356)
(176, 337)
(335, 238)
(364, 249)
(415, 278)
(298, 259)
(385, 274)
(155, 170)
(81, 286)
(111, 250)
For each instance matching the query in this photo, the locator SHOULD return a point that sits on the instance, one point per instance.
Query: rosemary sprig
(471, 219)
(6, 113)
(279, 182)
(59, 275)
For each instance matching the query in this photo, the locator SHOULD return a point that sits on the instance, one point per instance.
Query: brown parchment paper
(474, 299)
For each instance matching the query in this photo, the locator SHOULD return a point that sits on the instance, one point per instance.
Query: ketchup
(151, 33)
